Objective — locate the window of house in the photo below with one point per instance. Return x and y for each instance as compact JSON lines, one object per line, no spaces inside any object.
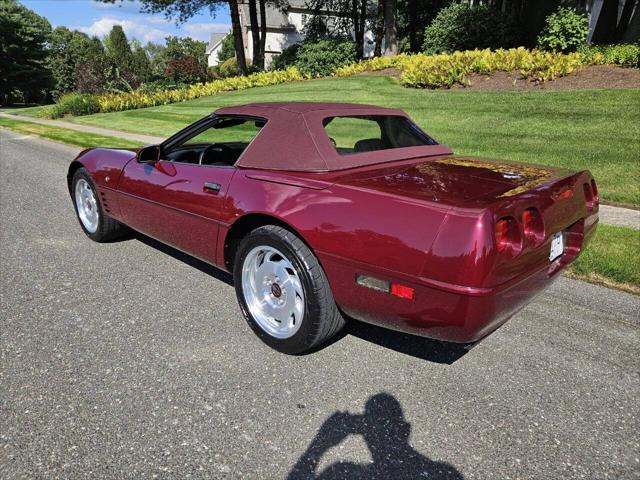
{"x":368,"y":133}
{"x":304,"y":19}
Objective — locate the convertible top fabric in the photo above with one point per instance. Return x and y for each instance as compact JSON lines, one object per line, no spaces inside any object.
{"x":294,"y":138}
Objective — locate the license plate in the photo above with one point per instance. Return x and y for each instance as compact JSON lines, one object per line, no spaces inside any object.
{"x":557,"y":246}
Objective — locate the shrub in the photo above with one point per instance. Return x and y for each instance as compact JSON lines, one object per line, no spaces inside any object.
{"x":444,"y":70}
{"x":128,"y":101}
{"x":73,"y":104}
{"x":322,"y":58}
{"x":461,"y":27}
{"x":565,"y":30}
{"x":371,"y":65}
{"x":627,"y":55}
{"x":229,"y":68}
{"x":287,"y":58}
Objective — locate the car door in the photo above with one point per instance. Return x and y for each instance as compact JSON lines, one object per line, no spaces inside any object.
{"x":179,"y":202}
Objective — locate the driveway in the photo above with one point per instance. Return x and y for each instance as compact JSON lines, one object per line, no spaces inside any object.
{"x":130,"y":360}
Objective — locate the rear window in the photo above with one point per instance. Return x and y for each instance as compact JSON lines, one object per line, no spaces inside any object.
{"x":369,"y":133}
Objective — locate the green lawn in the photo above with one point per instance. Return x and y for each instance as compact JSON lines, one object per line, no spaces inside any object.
{"x":33,"y":111}
{"x":612,"y":257}
{"x":70,"y":137}
{"x":597,"y":130}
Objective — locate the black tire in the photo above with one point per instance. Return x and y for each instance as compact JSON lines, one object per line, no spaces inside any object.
{"x":321,"y":320}
{"x":108,"y":228}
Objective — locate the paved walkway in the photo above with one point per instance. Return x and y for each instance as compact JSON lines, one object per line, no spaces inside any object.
{"x":624,"y":217}
{"x":136,"y":137}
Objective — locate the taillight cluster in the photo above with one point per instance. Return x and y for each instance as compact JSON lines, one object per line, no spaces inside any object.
{"x":591,"y":196}
{"x":533,"y":227}
{"x":510,"y":238}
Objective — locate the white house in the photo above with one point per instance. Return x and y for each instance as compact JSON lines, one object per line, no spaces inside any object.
{"x":215,"y":44}
{"x":284,"y":28}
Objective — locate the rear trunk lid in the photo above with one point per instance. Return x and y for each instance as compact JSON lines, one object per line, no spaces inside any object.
{"x":454,"y":180}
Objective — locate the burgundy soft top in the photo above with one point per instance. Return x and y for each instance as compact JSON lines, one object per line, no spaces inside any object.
{"x":294,"y":138}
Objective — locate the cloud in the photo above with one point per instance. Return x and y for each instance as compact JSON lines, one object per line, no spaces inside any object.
{"x":203,"y":31}
{"x":139,"y":30}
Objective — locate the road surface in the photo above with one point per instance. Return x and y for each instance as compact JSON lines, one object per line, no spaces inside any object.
{"x":130,"y":360}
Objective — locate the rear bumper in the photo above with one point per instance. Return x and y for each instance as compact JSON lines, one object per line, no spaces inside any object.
{"x":446,"y":312}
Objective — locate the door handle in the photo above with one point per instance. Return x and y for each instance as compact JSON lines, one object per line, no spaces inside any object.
{"x":212,"y":187}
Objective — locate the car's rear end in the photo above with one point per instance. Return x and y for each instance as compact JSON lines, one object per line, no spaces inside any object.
{"x":508,"y":230}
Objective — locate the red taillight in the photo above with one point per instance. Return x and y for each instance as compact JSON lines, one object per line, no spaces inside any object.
{"x":588,"y":197}
{"x":594,"y":189}
{"x":508,"y":236}
{"x":533,"y":226}
{"x":402,"y":291}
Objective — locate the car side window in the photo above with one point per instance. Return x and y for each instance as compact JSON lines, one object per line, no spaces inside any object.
{"x":368,"y":133}
{"x":219,"y":144}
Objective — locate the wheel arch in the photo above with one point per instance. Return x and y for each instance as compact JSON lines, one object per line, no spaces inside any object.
{"x":246,"y":224}
{"x":73,"y":168}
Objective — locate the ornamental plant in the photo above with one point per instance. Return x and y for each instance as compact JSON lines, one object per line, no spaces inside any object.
{"x":565,"y":31}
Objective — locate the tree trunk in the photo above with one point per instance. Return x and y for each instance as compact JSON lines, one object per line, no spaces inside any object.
{"x":632,"y":32}
{"x":624,"y":19}
{"x":362,"y":24}
{"x":414,"y":37}
{"x":379,"y":29}
{"x":255,"y":34}
{"x":263,"y":30}
{"x":391,"y":38}
{"x":355,"y":17}
{"x":237,"y":36}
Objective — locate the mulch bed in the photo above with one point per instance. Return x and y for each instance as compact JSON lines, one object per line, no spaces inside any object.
{"x":591,"y":76}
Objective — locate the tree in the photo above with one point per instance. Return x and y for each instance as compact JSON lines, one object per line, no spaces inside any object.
{"x":182,"y":10}
{"x":379,"y":28}
{"x":140,"y":64}
{"x":118,"y":49}
{"x":186,"y":60}
{"x":23,"y":41}
{"x":350,"y":18}
{"x":412,"y":18}
{"x":157,"y":59}
{"x":227,"y":49}
{"x":67,"y":49}
{"x":391,"y":28}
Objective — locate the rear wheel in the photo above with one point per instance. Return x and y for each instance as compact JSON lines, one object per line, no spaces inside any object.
{"x":283,"y":291}
{"x":94,"y":222}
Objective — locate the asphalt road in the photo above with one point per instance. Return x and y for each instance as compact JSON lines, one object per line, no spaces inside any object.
{"x":128,"y":360}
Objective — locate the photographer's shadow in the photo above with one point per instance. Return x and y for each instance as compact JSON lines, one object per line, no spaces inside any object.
{"x":386,"y":433}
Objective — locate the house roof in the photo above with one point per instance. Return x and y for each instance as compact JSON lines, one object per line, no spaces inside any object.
{"x":215,"y":40}
{"x":294,"y":138}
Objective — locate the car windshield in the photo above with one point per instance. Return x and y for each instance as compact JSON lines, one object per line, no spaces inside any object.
{"x":369,"y":133}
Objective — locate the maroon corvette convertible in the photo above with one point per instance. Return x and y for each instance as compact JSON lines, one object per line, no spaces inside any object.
{"x":321,"y":210}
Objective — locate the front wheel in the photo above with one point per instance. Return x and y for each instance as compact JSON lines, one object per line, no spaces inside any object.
{"x":283,"y":291}
{"x":94,"y":222}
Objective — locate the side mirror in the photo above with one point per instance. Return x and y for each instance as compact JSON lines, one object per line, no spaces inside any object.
{"x":150,"y":154}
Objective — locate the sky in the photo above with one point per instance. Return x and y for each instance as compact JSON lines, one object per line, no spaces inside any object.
{"x":97,"y":18}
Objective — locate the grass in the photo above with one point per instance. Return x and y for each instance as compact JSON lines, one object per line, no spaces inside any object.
{"x":33,"y":111}
{"x":597,"y":130}
{"x":70,"y":137}
{"x":611,"y":259}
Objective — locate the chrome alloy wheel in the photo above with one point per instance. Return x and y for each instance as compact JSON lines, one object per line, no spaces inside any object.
{"x":273,"y":292}
{"x":87,"y":206}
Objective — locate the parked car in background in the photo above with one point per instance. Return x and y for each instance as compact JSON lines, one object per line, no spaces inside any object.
{"x":322,"y":211}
